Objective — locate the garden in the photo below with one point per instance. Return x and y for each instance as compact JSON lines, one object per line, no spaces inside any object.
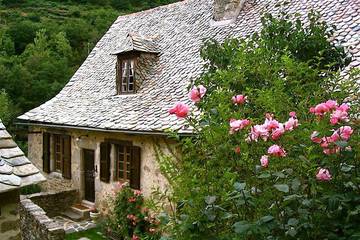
{"x":275,"y":149}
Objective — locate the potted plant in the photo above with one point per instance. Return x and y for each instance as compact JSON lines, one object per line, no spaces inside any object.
{"x":94,"y":214}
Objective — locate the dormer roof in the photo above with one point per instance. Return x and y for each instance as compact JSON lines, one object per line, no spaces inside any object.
{"x":137,"y":43}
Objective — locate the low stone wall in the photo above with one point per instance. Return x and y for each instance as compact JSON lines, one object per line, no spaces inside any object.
{"x":54,"y":203}
{"x":35,"y":225}
{"x":9,"y":217}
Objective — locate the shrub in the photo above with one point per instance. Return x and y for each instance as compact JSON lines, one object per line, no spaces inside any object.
{"x":129,"y":219}
{"x":241,"y":178}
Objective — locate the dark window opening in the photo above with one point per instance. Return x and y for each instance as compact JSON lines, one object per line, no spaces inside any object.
{"x":126,"y":76}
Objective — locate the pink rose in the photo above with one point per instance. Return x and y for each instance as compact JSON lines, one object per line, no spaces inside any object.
{"x":334,"y":137}
{"x":259,"y":131}
{"x":345,"y":132}
{"x":197,"y":93}
{"x":278,"y":132}
{"x":134,"y":237}
{"x":276,"y":151}
{"x":314,"y":137}
{"x":338,"y":115}
{"x":236,"y":125}
{"x":323,"y":175}
{"x":292,"y":114}
{"x":321,"y":109}
{"x":181,"y":110}
{"x":271,"y":124}
{"x":291,"y":124}
{"x":137,"y":192}
{"x":239,"y":99}
{"x":264,"y":161}
{"x":312,"y":110}
{"x":332,"y":104}
{"x":344,"y":107}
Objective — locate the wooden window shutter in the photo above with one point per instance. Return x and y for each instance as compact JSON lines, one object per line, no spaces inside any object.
{"x":46,"y":152}
{"x":66,"y":170}
{"x":135,"y":168}
{"x":105,"y":150}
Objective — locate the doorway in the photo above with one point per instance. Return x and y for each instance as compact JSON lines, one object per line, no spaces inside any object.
{"x":89,"y":172}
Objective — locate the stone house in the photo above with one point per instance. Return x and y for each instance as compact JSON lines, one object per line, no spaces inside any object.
{"x":105,"y":123}
{"x":16,"y":171}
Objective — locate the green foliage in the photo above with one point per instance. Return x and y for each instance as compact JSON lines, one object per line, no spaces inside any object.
{"x":7,"y":109}
{"x":128,"y":217}
{"x":31,"y":189}
{"x":222,"y":194}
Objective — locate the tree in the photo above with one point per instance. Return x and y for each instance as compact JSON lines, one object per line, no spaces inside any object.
{"x":7,"y":109}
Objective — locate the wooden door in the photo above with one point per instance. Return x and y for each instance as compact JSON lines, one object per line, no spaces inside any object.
{"x":89,"y":173}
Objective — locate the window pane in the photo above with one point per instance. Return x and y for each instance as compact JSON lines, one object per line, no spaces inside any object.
{"x":131,"y":87}
{"x":121,"y":174}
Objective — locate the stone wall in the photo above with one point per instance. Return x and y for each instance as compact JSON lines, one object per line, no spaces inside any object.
{"x":150,"y":175}
{"x":144,"y":69}
{"x":9,"y":217}
{"x":35,"y":225}
{"x":54,"y":203}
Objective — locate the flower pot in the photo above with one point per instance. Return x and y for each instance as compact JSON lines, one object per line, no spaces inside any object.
{"x":94,"y":216}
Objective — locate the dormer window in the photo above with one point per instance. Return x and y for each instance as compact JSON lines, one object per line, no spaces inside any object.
{"x":126,"y":75}
{"x":136,"y":57}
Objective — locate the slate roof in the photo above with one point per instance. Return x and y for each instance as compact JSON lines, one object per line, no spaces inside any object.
{"x":90,"y":100}
{"x":15,"y":169}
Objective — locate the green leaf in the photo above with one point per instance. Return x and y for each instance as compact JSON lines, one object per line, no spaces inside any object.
{"x":341,"y":144}
{"x":279,"y":174}
{"x":210,"y":199}
{"x":295,"y":184}
{"x":264,"y":175}
{"x":292,"y":232}
{"x":239,"y":186}
{"x":293,"y":222}
{"x":291,"y":197}
{"x":282,"y":187}
{"x":346,"y":168}
{"x":241,"y":227}
{"x":266,"y":219}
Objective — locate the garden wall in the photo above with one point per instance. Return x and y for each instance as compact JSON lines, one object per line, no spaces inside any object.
{"x":34,"y":223}
{"x":54,"y":203}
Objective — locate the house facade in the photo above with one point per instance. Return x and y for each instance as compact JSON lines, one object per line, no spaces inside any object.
{"x":111,"y":119}
{"x":16,"y":171}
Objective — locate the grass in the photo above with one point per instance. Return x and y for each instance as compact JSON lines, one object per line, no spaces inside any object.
{"x":92,"y":234}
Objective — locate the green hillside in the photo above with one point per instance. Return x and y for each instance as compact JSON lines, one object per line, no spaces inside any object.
{"x":42,"y":43}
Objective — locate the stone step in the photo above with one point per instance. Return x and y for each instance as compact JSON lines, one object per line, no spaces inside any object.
{"x":82,"y":210}
{"x":72,"y":215}
{"x":87,"y":204}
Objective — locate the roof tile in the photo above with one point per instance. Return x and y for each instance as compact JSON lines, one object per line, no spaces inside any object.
{"x":15,"y":169}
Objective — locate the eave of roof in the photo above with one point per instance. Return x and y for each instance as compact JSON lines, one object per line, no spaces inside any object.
{"x":106,"y":130}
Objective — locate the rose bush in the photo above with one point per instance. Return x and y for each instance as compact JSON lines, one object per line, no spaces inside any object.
{"x":128,"y":217}
{"x":261,"y":165}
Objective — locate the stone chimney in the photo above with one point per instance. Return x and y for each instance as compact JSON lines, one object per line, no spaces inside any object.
{"x":225,"y":10}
